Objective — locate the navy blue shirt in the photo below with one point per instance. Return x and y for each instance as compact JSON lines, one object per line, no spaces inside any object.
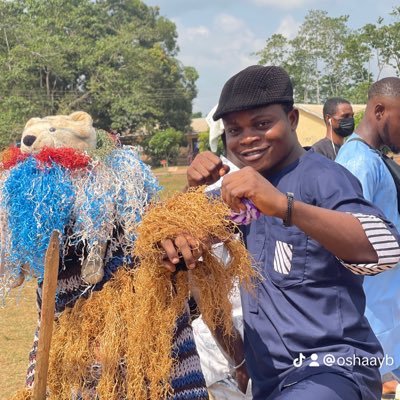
{"x":308,"y":301}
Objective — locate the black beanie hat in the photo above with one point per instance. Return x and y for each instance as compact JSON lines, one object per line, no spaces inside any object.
{"x":255,"y":86}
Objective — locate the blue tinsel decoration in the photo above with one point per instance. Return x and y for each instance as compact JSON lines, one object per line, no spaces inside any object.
{"x":118,"y":161}
{"x":39,"y":200}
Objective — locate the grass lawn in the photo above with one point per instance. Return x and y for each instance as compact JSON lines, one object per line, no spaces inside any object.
{"x":17,"y":326}
{"x":18,"y":317}
{"x":171,"y":180}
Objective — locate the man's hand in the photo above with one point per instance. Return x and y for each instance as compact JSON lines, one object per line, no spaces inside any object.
{"x":183,"y":246}
{"x":205,"y":169}
{"x":248,"y":183}
{"x":242,"y":377}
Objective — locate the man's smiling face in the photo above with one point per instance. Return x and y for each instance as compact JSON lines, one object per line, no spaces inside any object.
{"x":263,"y":138}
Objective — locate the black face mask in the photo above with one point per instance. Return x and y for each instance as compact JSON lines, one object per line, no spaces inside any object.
{"x":346,"y":127}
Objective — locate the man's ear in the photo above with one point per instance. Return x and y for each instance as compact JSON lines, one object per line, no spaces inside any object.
{"x":379,"y":111}
{"x":293,"y":116}
{"x":223,"y":138}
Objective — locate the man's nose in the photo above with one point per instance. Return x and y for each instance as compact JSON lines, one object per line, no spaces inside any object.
{"x":249,"y":138}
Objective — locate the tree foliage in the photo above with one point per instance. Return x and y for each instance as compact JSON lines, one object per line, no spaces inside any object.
{"x":328,"y":59}
{"x":384,"y":41}
{"x":204,"y":143}
{"x":164,"y":145}
{"x":115,"y":59}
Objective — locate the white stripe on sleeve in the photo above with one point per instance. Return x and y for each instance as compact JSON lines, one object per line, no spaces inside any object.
{"x":383,"y":242}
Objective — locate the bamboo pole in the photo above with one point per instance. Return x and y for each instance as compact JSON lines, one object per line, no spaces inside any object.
{"x":47,"y":316}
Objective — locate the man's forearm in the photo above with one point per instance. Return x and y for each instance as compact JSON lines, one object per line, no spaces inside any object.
{"x":231,"y":345}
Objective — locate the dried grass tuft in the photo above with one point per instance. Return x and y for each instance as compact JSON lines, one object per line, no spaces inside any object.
{"x":119,"y":342}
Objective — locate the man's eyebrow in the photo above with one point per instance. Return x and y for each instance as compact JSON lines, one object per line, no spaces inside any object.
{"x":261,"y":116}
{"x":230,"y":122}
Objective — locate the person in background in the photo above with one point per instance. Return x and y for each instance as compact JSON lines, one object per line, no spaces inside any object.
{"x":339,"y":120}
{"x":312,"y":244}
{"x":380,"y":127}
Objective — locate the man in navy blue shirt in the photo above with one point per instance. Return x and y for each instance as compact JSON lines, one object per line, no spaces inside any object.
{"x":306,"y":336}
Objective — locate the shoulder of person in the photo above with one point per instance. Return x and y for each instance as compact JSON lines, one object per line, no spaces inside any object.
{"x":355,"y":152}
{"x":325,"y":179}
{"x":321,"y":166}
{"x":324,"y":147}
{"x":320,"y":143}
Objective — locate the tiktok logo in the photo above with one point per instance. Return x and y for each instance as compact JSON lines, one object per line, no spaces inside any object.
{"x":298,"y":362}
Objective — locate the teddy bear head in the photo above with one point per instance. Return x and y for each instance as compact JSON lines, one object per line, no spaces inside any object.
{"x":75,"y":130}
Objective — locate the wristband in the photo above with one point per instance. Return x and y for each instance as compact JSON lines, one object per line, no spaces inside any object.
{"x":287,"y":221}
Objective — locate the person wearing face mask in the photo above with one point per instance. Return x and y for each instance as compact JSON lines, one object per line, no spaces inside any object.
{"x":339,"y":120}
{"x":380,"y":127}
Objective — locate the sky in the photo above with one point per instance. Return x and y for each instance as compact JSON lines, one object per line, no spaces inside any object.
{"x":219,"y":37}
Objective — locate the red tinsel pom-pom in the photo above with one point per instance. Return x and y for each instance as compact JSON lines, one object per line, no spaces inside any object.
{"x":11,"y":157}
{"x":64,"y":156}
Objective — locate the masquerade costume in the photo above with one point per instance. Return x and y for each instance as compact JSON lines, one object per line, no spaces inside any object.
{"x":90,"y":199}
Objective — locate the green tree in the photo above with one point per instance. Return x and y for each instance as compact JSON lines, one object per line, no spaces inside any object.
{"x":384,"y":41}
{"x":115,"y":59}
{"x":358,"y":117}
{"x":204,"y":143}
{"x":164,"y":145}
{"x":325,"y":59}
{"x":276,"y":51}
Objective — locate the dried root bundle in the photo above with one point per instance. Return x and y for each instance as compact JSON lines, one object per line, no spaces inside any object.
{"x":119,"y":343}
{"x":23,"y":394}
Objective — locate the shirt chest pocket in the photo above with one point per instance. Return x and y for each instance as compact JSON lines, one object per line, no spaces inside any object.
{"x":286,"y":253}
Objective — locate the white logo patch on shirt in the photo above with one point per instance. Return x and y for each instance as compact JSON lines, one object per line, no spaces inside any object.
{"x":283,"y":257}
